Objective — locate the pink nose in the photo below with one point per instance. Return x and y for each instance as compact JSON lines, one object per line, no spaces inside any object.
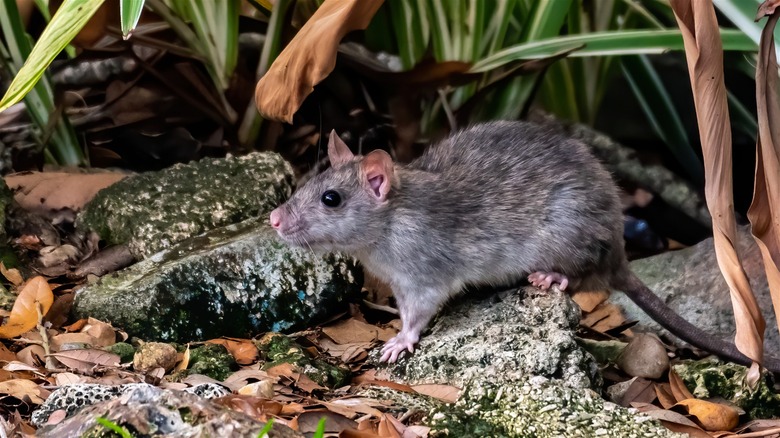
{"x":276,"y":219}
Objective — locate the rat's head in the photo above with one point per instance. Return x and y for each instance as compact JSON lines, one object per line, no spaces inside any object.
{"x":341,"y":209}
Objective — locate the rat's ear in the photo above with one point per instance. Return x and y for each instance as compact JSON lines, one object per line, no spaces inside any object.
{"x":378,"y":173}
{"x":338,"y":152}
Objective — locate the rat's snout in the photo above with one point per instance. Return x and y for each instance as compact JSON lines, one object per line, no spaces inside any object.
{"x":276,"y":218}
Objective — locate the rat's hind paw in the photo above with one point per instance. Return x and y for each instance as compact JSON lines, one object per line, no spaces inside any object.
{"x":545,"y":280}
{"x":396,"y":348}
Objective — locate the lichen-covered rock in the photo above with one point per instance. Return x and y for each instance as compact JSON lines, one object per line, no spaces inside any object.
{"x":537,"y":407}
{"x":238,"y":280}
{"x":154,"y":210}
{"x":505,"y":337}
{"x":153,"y":355}
{"x":146,"y":410}
{"x":712,"y":378}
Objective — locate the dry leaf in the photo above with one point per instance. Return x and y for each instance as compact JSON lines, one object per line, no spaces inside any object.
{"x":766,"y":8}
{"x":32,"y":355}
{"x":664,"y":393}
{"x":334,"y":423}
{"x":87,"y":360}
{"x":72,"y":338}
{"x":677,"y":387}
{"x":13,"y":275}
{"x":243,"y":351}
{"x":20,"y":388}
{"x":711,"y":416}
{"x":390,"y":427}
{"x":588,"y":300}
{"x":6,"y":355}
{"x":347,"y":353}
{"x":255,"y":407}
{"x":103,"y":332}
{"x":704,"y":53}
{"x":63,"y":379}
{"x":352,"y":331}
{"x":764,"y":211}
{"x":307,"y":384}
{"x":24,"y":314}
{"x":605,"y":317}
{"x":263,"y":389}
{"x":310,"y":56}
{"x":445,"y":393}
{"x":184,"y":362}
{"x":243,"y":377}
{"x":48,"y":192}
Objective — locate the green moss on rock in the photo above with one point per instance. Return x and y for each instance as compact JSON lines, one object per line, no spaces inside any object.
{"x":212,"y":360}
{"x":238,"y":280}
{"x":713,"y":378}
{"x":124,"y":350}
{"x":279,"y":349}
{"x":152,"y":211}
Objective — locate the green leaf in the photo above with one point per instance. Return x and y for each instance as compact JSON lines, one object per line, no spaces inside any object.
{"x":66,"y":23}
{"x":320,"y":432}
{"x":130,"y":12}
{"x":117,"y":429}
{"x":657,"y":105}
{"x":623,"y":42}
{"x":267,"y":428}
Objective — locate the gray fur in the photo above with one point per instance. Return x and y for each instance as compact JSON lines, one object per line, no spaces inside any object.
{"x":490,"y":204}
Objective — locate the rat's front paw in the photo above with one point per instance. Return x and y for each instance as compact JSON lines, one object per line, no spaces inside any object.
{"x":397,"y":347}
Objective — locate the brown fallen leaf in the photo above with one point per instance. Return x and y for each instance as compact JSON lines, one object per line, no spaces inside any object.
{"x":704,"y":53}
{"x":350,"y":407}
{"x":24,"y":314}
{"x":87,"y":341}
{"x":664,"y":393}
{"x":711,"y":416}
{"x":352,"y":331}
{"x":258,"y":408}
{"x":764,"y":211}
{"x":310,"y":56}
{"x":639,"y":391}
{"x":445,"y":393}
{"x":389,"y":426}
{"x":13,"y":275}
{"x":20,"y":388}
{"x":6,"y":355}
{"x":32,"y":355}
{"x":334,"y":423}
{"x":245,"y":376}
{"x":604,"y":317}
{"x":243,"y":351}
{"x":103,"y":332}
{"x":51,"y":192}
{"x":307,"y":384}
{"x":678,"y":389}
{"x":588,"y":300}
{"x":87,"y":360}
{"x":347,"y":353}
{"x":673,"y":421}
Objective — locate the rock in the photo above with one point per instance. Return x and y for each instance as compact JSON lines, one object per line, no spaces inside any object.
{"x":537,"y":407}
{"x":712,"y":378}
{"x":690,"y":282}
{"x":645,"y":356}
{"x":148,"y":410}
{"x":154,"y":210}
{"x":212,"y":360}
{"x":521,"y":371}
{"x":237,"y":281}
{"x":506,"y":336}
{"x":125,"y":351}
{"x":153,"y":355}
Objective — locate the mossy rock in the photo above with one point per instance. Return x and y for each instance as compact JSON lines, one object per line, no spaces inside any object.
{"x":154,"y":210}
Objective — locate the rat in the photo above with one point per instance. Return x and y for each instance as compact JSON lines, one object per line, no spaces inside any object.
{"x":491,"y":204}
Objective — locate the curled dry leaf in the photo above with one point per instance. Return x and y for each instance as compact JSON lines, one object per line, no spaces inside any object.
{"x":24,"y":314}
{"x":704,"y":54}
{"x":13,"y":275}
{"x":711,"y":416}
{"x":767,"y":8}
{"x":677,"y":387}
{"x":243,"y":351}
{"x":310,"y":56}
{"x":764,"y":211}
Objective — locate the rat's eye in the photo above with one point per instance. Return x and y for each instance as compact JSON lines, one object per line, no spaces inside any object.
{"x":331,"y":198}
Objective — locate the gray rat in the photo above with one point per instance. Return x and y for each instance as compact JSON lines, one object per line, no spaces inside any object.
{"x":489,"y":205}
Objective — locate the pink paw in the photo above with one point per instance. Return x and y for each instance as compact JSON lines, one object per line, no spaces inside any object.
{"x":545,"y":280}
{"x":396,"y":348}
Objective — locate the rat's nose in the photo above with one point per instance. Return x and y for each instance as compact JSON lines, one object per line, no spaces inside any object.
{"x":276,"y":219}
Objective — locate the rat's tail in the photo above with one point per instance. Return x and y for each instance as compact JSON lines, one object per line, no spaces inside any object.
{"x":668,"y":319}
